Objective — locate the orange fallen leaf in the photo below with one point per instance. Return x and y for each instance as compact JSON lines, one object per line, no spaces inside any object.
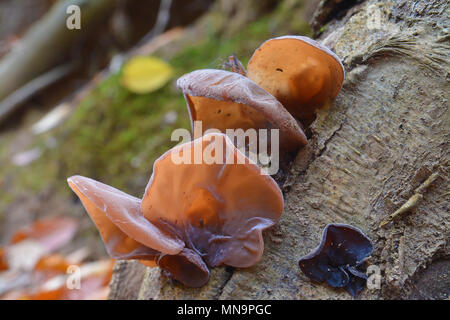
{"x":3,"y":263}
{"x":52,"y":233}
{"x":95,"y":278}
{"x":56,"y":294}
{"x":53,"y":262}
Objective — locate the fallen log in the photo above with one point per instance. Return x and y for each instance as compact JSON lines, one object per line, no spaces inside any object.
{"x":47,"y":42}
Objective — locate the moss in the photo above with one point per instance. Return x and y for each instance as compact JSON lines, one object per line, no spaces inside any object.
{"x":115,"y":134}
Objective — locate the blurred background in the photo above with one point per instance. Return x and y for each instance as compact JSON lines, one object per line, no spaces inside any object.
{"x":100,"y":101}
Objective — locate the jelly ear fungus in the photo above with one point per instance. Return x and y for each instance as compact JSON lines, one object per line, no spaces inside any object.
{"x":192,"y":216}
{"x":228,"y":100}
{"x":340,"y":258}
{"x":301,"y":73}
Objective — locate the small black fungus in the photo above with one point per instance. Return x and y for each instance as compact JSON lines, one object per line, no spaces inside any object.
{"x":339,"y":259}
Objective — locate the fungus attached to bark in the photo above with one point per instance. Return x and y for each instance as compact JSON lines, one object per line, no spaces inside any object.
{"x":228,"y":100}
{"x":192,"y":215}
{"x":220,"y":208}
{"x":118,"y":216}
{"x":300,"y":72}
{"x":188,"y":267}
{"x":339,"y":259}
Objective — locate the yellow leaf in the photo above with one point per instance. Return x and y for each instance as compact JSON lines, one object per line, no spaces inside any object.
{"x":144,"y":74}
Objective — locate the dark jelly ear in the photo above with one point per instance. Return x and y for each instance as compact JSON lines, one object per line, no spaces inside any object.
{"x":339,"y":258}
{"x":346,"y":245}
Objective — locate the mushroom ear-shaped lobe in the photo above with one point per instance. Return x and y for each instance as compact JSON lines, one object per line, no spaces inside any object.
{"x":186,"y":267}
{"x":336,"y":260}
{"x":300,"y":72}
{"x":346,"y":245}
{"x":119,"y":218}
{"x":221,"y":208}
{"x":227,"y":100}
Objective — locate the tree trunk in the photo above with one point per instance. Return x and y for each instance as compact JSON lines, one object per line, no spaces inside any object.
{"x":386,"y":134}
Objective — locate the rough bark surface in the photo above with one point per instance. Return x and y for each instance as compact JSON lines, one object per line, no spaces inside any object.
{"x":386,"y":133}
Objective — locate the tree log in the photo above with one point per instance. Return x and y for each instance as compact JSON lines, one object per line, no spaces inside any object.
{"x":47,"y":42}
{"x":384,"y":136}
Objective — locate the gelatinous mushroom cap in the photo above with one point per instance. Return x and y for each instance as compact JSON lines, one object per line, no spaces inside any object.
{"x":117,"y":215}
{"x":119,"y":219}
{"x":300,"y":72}
{"x":187,"y":267}
{"x":337,"y":259}
{"x":209,"y":209}
{"x":220,"y":208}
{"x":227,"y":100}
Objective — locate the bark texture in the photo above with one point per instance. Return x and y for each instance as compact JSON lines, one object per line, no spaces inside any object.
{"x":386,"y":133}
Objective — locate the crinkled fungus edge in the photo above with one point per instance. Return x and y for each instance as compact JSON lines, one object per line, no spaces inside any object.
{"x":313,"y":43}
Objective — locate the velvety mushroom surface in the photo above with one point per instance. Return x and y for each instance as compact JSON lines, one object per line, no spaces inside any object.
{"x":193,"y":214}
{"x":300,"y":72}
{"x":228,"y":100}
